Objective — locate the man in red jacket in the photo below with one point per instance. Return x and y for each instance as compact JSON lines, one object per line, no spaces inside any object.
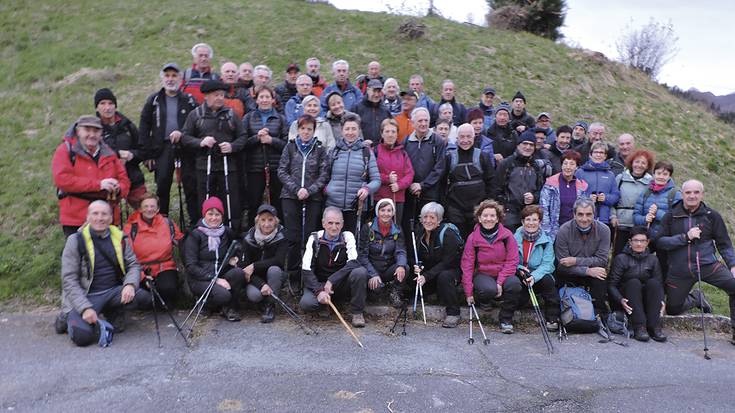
{"x":86,"y":169}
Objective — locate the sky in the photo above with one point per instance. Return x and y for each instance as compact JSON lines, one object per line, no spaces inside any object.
{"x":705,"y":29}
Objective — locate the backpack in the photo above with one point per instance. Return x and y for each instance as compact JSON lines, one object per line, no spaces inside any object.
{"x":454,"y":160}
{"x":134,"y":230}
{"x":617,"y":322}
{"x":577,"y":310}
{"x":452,"y":228}
{"x":229,"y":117}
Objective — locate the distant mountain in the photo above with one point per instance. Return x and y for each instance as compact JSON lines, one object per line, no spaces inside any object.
{"x":726,"y":102}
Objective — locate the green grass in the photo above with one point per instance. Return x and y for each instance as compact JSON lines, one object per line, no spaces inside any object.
{"x":46,"y":44}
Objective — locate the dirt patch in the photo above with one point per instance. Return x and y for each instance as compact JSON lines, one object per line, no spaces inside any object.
{"x":86,"y":72}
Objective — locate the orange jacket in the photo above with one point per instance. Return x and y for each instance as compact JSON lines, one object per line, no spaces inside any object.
{"x":405,"y":126}
{"x":152,"y":243}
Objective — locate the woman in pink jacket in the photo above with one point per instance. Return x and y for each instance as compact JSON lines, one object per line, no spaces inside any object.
{"x":489,"y":263}
{"x":396,"y":171}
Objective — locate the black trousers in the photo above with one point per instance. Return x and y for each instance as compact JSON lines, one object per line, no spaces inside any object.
{"x":645,"y":298}
{"x":597,"y":288}
{"x":256,"y":188}
{"x":545,"y":289}
{"x":486,"y":287}
{"x":445,"y":286}
{"x":220,"y":296}
{"x":354,"y":287}
{"x":167,"y":285}
{"x":678,"y":286}
{"x":463,"y":219}
{"x":292,"y":224}
{"x":217,"y":188}
{"x":412,"y":210}
{"x":164,"y":176}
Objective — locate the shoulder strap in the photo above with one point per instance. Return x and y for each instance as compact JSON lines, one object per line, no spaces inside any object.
{"x":453,"y":160}
{"x":133,"y":231}
{"x":72,"y":154}
{"x":365,"y":161}
{"x":670,"y":197}
{"x":170,"y":228}
{"x":476,"y":158}
{"x":646,"y":194}
{"x":187,"y":75}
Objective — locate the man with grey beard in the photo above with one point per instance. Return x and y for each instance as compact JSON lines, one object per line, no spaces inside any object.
{"x":161,"y":120}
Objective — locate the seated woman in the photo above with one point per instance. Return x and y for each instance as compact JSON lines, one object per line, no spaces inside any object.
{"x":536,"y":264}
{"x":636,"y":284}
{"x":632,"y":182}
{"x":153,"y":238}
{"x":204,"y":250}
{"x":490,"y":261}
{"x":602,"y":188}
{"x":438,"y":244}
{"x":559,"y":193}
{"x":396,"y":171}
{"x":264,"y":255}
{"x":382,"y":251}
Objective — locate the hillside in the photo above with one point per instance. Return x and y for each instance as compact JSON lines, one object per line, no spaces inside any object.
{"x":56,"y":54}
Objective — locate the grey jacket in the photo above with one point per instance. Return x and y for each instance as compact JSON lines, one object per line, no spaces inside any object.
{"x":75,"y":276}
{"x":630,"y":190}
{"x":346,"y":171}
{"x":590,"y":251}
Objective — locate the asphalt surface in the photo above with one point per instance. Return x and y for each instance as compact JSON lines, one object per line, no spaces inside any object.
{"x":248,"y":366}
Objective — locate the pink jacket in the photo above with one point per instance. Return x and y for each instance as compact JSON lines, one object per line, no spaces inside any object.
{"x":498,"y":260}
{"x":395,"y":159}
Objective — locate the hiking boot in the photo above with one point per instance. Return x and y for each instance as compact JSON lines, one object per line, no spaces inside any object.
{"x":506,"y":328}
{"x":323,"y":312}
{"x":450,"y":321}
{"x":269,"y":313}
{"x":119,"y":321}
{"x":394,"y":295}
{"x":703,"y":303}
{"x":657,"y":334}
{"x":640,"y":334}
{"x":230,"y":314}
{"x":552,"y":326}
{"x":60,"y":323}
{"x":602,"y":330}
{"x":358,"y":320}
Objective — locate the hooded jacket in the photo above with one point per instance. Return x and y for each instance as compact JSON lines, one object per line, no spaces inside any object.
{"x":661,"y":199}
{"x":516,"y":176}
{"x":498,"y":260}
{"x":504,"y":138}
{"x":629,"y":265}
{"x":199,"y":260}
{"x":349,"y":173}
{"x":309,"y":170}
{"x":551,"y":203}
{"x":393,"y":159}
{"x":123,"y":135}
{"x":600,"y":179}
{"x":541,"y":258}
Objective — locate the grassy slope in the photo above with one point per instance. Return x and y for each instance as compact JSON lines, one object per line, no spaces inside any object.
{"x":47,"y":43}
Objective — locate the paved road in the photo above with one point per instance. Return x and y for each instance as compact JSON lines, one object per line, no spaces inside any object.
{"x":249,"y":367}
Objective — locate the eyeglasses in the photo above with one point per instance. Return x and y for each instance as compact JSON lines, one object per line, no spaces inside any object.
{"x":599,"y":153}
{"x":638,"y":240}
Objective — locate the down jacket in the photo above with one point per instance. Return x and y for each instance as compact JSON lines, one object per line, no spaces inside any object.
{"x":308,"y":170}
{"x":541,"y":258}
{"x":393,"y":159}
{"x":153,"y":243}
{"x":348,"y":173}
{"x":263,"y":256}
{"x":551,"y":203}
{"x":600,"y":179}
{"x":199,"y":260}
{"x":257,"y":153}
{"x":630,"y":189}
{"x":661,"y":199}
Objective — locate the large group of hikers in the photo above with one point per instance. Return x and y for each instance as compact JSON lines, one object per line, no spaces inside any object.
{"x":365,"y":192}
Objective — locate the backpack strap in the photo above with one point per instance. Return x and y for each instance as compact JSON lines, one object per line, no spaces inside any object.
{"x":133,"y":231}
{"x":72,"y":154}
{"x":453,"y":160}
{"x":171,"y":229}
{"x":476,"y":158}
{"x":671,"y":196}
{"x":365,"y":161}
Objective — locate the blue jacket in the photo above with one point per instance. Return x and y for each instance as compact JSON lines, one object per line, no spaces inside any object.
{"x":541,"y":259}
{"x":661,"y":199}
{"x":600,"y":179}
{"x":376,"y":253}
{"x":346,"y":171}
{"x":425,"y":101}
{"x":630,"y":190}
{"x":351,"y":96}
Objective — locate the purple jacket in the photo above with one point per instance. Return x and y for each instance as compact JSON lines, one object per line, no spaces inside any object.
{"x":498,"y":260}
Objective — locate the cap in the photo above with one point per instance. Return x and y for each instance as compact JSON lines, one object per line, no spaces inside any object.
{"x":527,"y":136}
{"x":213,"y":85}
{"x":89,"y":121}
{"x":172,"y":66}
{"x":503,"y":106}
{"x":293,"y":66}
{"x":542,"y":114}
{"x":409,"y":93}
{"x":375,"y":84}
{"x":488,"y":90}
{"x":267,"y":208}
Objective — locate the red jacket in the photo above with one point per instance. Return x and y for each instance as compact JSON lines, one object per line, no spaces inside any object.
{"x":395,"y":159}
{"x":152,"y":244}
{"x":498,"y":260}
{"x":84,"y":177}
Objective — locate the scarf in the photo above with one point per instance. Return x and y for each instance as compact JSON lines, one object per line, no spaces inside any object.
{"x":384,"y":228}
{"x":304,"y":147}
{"x":584,"y":231}
{"x":214,"y":235}
{"x":490,"y":234}
{"x":262,"y":239}
{"x":530,"y":236}
{"x":656,"y":187}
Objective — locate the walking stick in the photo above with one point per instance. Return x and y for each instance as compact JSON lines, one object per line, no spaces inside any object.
{"x":267,"y":172}
{"x":344,"y":323}
{"x":177,"y":169}
{"x":701,"y":307}
{"x":155,"y":313}
{"x":154,"y":290}
{"x":404,"y":314}
{"x":485,"y":340}
{"x":358,"y":224}
{"x":209,"y":170}
{"x":227,"y":192}
{"x":522,"y":274}
{"x":419,"y":288}
{"x":300,"y":321}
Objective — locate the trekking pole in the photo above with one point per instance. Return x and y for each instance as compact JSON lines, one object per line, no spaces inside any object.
{"x":541,"y":320}
{"x":209,"y":170}
{"x":701,"y":307}
{"x":155,"y":313}
{"x":267,"y":172}
{"x":177,"y":170}
{"x":419,"y":288}
{"x":344,"y":323}
{"x":358,"y":224}
{"x":471,"y":340}
{"x":227,"y":192}
{"x":154,"y":290}
{"x":300,"y":321}
{"x":404,"y":310}
{"x":485,"y":340}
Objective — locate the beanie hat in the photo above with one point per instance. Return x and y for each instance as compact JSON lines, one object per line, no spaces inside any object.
{"x":382,"y":203}
{"x":104,"y":94}
{"x":475,"y":113}
{"x":212,"y":202}
{"x":529,"y":135}
{"x":583,"y":124}
{"x":503,"y":106}
{"x":519,"y":95}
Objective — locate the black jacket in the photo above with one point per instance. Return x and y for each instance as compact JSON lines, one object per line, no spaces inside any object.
{"x":459,"y":111}
{"x":263,"y":256}
{"x":427,"y":159}
{"x":284,"y":91}
{"x":223,"y":126}
{"x":437,"y":256}
{"x":628,"y":265}
{"x":296,"y":171}
{"x":153,"y":120}
{"x":378,"y":253}
{"x":257,"y":153}
{"x":505,"y":139}
{"x":523,"y":119}
{"x":123,"y":135}
{"x":468,"y":184}
{"x":371,"y":115}
{"x":517,"y":175}
{"x":199,"y":260}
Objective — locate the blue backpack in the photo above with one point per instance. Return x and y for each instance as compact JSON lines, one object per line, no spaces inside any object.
{"x":577,"y":310}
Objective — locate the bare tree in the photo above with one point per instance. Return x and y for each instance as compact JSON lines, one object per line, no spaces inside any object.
{"x":648,"y":48}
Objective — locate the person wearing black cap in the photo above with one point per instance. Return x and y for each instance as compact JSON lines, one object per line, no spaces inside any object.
{"x":121,"y":135}
{"x":264,"y":256}
{"x":285,"y":90}
{"x":504,"y":137}
{"x":459,"y":113}
{"x":212,"y":131}
{"x":161,"y":121}
{"x":486,"y":105}
{"x":520,"y":120}
{"x":409,"y":98}
{"x":520,"y":178}
{"x":372,"y":112}
{"x":543,"y":123}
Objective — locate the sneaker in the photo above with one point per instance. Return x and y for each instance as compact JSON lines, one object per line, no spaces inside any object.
{"x":230,"y":314}
{"x":450,"y":321}
{"x":358,"y":320}
{"x":60,"y":323}
{"x":703,"y":303}
{"x":640,"y":334}
{"x":657,"y":335}
{"x":506,"y":328}
{"x":552,"y":326}
{"x":269,"y":313}
{"x":394,"y":295}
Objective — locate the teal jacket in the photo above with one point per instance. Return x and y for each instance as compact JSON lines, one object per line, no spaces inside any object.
{"x":541,"y":259}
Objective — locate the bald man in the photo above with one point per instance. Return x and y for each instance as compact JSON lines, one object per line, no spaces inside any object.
{"x":692,"y":233}
{"x":237,"y":96}
{"x":626,"y":146}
